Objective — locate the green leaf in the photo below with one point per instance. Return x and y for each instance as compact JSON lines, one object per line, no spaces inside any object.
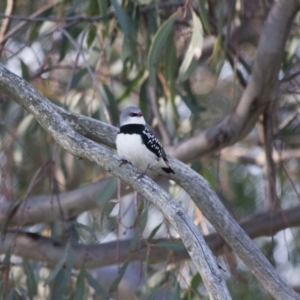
{"x":143,"y":219}
{"x":116,"y":282}
{"x":192,"y":291}
{"x":135,"y":241}
{"x":96,"y":286}
{"x":194,"y":50}
{"x":86,"y":228}
{"x":154,"y":231}
{"x":131,"y":85}
{"x":30,"y":278}
{"x":123,"y":19}
{"x":60,"y":264}
{"x":91,"y":36}
{"x":204,"y":15}
{"x":170,"y":68}
{"x":103,"y":7}
{"x":34,"y":31}
{"x":77,"y":77}
{"x":174,"y":245}
{"x":93,"y":8}
{"x":158,"y":43}
{"x":80,"y":286}
{"x":64,"y":45}
{"x":143,"y":96}
{"x":61,"y":279}
{"x":112,"y":105}
{"x":25,"y":70}
{"x":107,"y":192}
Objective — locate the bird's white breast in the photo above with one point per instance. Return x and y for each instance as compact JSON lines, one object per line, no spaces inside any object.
{"x":131,"y":148}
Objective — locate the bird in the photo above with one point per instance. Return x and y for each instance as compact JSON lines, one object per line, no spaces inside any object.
{"x":136,"y":142}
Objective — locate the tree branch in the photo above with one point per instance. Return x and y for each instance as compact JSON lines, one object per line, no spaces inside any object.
{"x":253,"y":102}
{"x":257,"y":95}
{"x":193,"y":183}
{"x":36,"y":247}
{"x":22,"y":92}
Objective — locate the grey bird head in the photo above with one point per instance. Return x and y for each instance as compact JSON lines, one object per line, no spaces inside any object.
{"x":131,"y":115}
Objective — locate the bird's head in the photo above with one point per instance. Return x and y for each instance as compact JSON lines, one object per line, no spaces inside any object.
{"x":131,"y":115}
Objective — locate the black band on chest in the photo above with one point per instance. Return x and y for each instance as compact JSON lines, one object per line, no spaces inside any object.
{"x":132,"y":128}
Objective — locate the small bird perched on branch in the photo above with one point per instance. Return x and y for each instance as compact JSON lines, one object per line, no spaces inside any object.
{"x":137,"y":143}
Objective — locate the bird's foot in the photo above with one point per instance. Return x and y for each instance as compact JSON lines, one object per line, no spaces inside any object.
{"x":144,"y":173}
{"x":124,"y":161}
{"x":141,"y":175}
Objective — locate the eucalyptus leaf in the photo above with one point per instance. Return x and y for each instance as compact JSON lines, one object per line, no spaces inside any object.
{"x":115,"y":284}
{"x":25,"y":70}
{"x":108,"y":191}
{"x":159,"y":41}
{"x":173,"y":245}
{"x":59,"y":265}
{"x":80,"y":286}
{"x":86,"y":228}
{"x":194,"y":50}
{"x":30,"y":278}
{"x":123,"y":19}
{"x":204,"y":15}
{"x":96,"y":286}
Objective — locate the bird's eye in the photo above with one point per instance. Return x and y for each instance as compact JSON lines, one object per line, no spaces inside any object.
{"x":132,"y":114}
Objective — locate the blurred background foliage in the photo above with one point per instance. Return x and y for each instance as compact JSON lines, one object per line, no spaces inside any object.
{"x":185,"y":64}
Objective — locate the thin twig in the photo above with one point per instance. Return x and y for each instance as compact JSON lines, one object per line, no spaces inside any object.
{"x":10,"y":6}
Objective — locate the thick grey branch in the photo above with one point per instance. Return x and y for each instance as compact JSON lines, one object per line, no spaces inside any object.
{"x":33,"y":246}
{"x":46,"y":209}
{"x":253,"y":102}
{"x":192,"y":182}
{"x":52,"y":121}
{"x":259,"y":91}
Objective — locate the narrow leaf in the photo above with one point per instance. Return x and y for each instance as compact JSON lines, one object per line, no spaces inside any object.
{"x":91,"y":36}
{"x":25,"y":70}
{"x":154,"y":231}
{"x":158,"y":43}
{"x":116,"y":282}
{"x":131,"y":86}
{"x":112,"y":104}
{"x":77,"y":77}
{"x":86,"y":228}
{"x":204,"y":15}
{"x":107,"y":192}
{"x":143,"y":96}
{"x":123,"y":19}
{"x":59,"y":265}
{"x":194,"y":50}
{"x":80,"y":286}
{"x":96,"y":286}
{"x":174,"y":245}
{"x":30,"y":278}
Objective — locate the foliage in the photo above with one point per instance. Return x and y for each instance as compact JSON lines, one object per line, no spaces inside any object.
{"x":97,"y":57}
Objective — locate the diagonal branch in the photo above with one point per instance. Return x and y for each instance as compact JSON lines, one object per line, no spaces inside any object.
{"x":36,"y":247}
{"x":23,"y":93}
{"x":193,"y":183}
{"x":253,"y":102}
{"x":257,"y":95}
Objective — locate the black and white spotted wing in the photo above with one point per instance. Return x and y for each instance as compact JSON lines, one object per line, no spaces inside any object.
{"x":148,"y":138}
{"x":151,"y":142}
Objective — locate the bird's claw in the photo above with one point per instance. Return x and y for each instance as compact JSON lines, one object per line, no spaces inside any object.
{"x":141,"y":175}
{"x":124,"y":161}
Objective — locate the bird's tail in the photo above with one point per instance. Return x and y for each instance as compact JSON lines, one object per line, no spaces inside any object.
{"x":168,"y":170}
